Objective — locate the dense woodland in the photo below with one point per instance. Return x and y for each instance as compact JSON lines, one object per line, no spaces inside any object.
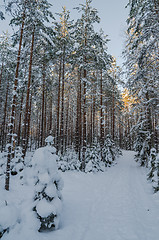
{"x":57,"y":78}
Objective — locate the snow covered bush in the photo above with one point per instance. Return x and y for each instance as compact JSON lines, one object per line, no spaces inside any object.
{"x":69,"y":161}
{"x":152,"y":162}
{"x":142,"y":148}
{"x":3,"y":160}
{"x":93,"y":159}
{"x":97,"y":157}
{"x":48,"y":186}
{"x":9,"y":217}
{"x":156,"y":175}
{"x":110,"y":151}
{"x":17,"y":164}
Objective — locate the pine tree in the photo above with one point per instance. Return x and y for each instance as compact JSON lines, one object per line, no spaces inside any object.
{"x":63,"y":49}
{"x":84,"y":53}
{"x":142,"y":63}
{"x":12,"y":120}
{"x":29,"y":17}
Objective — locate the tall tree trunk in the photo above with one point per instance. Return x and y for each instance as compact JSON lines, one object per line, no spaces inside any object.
{"x":113,"y":115}
{"x":84,"y":143}
{"x":101,"y":116}
{"x":20,"y":120}
{"x":27,"y":97}
{"x":45,"y":116}
{"x":4,"y":118}
{"x":0,"y":88}
{"x":1,"y":75}
{"x":78,"y":116}
{"x":11,"y":136}
{"x":50,"y":117}
{"x":93,"y":113}
{"x":67,"y":118}
{"x":58,"y":109}
{"x":120,"y":132}
{"x":91,"y":121}
{"x":62,"y":103}
{"x":43,"y":109}
{"x":156,"y":131}
{"x":29,"y":119}
{"x":149,"y":121}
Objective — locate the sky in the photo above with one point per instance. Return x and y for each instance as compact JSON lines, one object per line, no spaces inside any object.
{"x":113,"y":16}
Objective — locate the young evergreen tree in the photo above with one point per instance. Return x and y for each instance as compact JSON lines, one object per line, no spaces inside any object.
{"x":48,"y":185}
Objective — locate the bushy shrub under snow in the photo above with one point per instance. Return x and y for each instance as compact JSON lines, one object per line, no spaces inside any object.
{"x":17,"y":163}
{"x":69,"y":161}
{"x":93,"y":159}
{"x":9,"y":217}
{"x":48,"y":186}
{"x":3,"y":160}
{"x":152,"y":164}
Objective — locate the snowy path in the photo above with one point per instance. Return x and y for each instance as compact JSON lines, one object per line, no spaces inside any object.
{"x":115,"y":205}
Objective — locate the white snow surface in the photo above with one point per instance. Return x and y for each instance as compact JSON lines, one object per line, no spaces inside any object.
{"x":118,"y":204}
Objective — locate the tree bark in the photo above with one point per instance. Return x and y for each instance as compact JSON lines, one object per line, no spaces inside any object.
{"x":101,"y":116}
{"x":66,"y":126}
{"x":62,"y":103}
{"x":29,"y":119}
{"x":113,"y":115}
{"x":58,"y":109}
{"x":20,"y":119}
{"x":11,"y":136}
{"x":4,"y":117}
{"x":27,"y":97}
{"x":43,"y":109}
{"x":84,"y":121}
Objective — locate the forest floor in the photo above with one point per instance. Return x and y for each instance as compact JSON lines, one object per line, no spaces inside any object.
{"x":118,"y":204}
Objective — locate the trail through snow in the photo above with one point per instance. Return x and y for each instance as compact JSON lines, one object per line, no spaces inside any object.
{"x":115,"y":205}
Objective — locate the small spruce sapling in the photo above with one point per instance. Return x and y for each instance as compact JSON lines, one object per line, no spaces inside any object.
{"x":48,"y":186}
{"x":17,"y":164}
{"x":69,"y":161}
{"x":156,"y":176}
{"x":152,"y":162}
{"x":93,"y":160}
{"x":109,"y":151}
{"x":142,"y":147}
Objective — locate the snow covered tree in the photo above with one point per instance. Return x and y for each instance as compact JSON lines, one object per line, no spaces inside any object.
{"x":152,"y":164}
{"x":9,"y":217}
{"x":94,"y":162}
{"x":63,"y":49}
{"x":85,"y":56}
{"x":142,"y":63}
{"x":2,"y":16}
{"x":48,"y":186}
{"x":7,"y":62}
{"x":156,"y":175}
{"x":110,"y":151}
{"x":31,"y":16}
{"x":11,"y":134}
{"x":17,"y":164}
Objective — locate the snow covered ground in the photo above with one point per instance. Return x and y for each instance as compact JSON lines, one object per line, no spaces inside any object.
{"x":115,"y":205}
